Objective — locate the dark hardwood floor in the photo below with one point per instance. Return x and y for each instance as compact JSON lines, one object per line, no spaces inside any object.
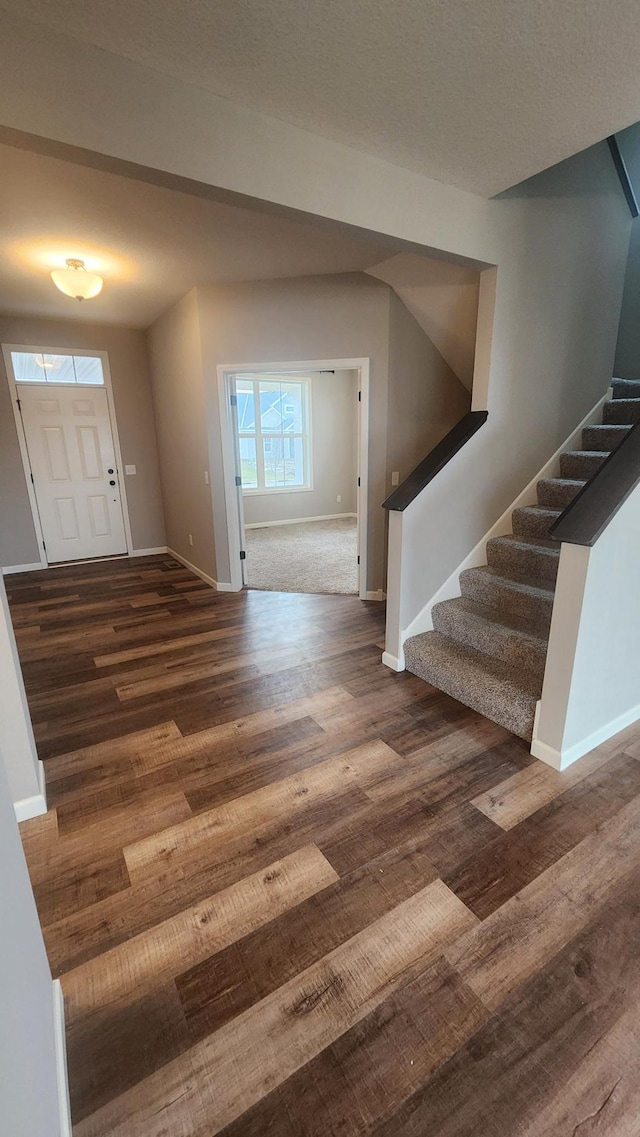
{"x":292,"y":893}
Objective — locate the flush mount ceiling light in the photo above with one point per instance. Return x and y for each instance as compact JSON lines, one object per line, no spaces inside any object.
{"x":75,"y":281}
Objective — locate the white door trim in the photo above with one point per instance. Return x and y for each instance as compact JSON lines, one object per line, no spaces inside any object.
{"x":7,"y":348}
{"x":226,"y":371}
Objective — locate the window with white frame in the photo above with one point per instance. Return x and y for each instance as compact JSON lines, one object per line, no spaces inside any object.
{"x":46,"y":367}
{"x":274,"y":429}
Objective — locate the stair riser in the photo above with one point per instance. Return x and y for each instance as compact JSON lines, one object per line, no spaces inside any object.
{"x":621,"y":411}
{"x":554,"y":495}
{"x":531,"y":611}
{"x":532,"y":524}
{"x":602,"y":437}
{"x":489,"y":638}
{"x":533,"y":563}
{"x":473,"y":697}
{"x":626,"y":388}
{"x":581,"y":466}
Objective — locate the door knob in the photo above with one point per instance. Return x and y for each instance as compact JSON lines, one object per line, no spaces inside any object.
{"x":112,"y":483}
{"x":110,"y":470}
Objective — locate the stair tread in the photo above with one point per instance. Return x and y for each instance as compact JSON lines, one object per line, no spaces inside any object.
{"x":527,"y":543}
{"x":538,"y":511}
{"x":499,"y":620}
{"x":609,"y":434}
{"x":630,"y":388}
{"x":529,"y":585}
{"x":621,"y":412}
{"x":494,"y":667}
{"x":565,"y":481}
{"x":495,"y":689}
{"x":587,"y":453}
{"x":543,"y":512}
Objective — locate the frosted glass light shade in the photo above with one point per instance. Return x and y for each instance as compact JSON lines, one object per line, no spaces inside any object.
{"x":75,"y":281}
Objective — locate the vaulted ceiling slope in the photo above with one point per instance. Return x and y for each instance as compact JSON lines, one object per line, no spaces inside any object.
{"x":152,"y":244}
{"x":479,"y":95}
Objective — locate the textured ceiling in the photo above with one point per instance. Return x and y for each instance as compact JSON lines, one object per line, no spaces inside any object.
{"x":151,"y":244}
{"x":477,"y":93}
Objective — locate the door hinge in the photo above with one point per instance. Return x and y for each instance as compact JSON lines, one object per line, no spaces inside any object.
{"x":359,"y":396}
{"x":233,"y":399}
{"x":358,"y":560}
{"x":238,"y":480}
{"x":243,"y":555}
{"x":19,"y":405}
{"x":32,"y":481}
{"x":44,"y":546}
{"x":359,"y":481}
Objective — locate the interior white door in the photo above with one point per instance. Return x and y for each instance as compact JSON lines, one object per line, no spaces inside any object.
{"x":72,"y":457}
{"x":239,"y":497}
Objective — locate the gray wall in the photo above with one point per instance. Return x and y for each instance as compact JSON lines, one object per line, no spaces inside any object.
{"x":175,"y":355}
{"x":443,"y":297}
{"x":134,"y":411}
{"x":627,"y":360}
{"x":334,"y":425}
{"x":28,"y":1091}
{"x":562,"y":241}
{"x":425,"y":396}
{"x":18,"y":744}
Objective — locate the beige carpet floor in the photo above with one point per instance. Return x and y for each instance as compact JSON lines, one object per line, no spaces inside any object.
{"x":313,"y":556}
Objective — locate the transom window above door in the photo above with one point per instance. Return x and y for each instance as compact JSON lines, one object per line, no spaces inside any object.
{"x":63,"y":367}
{"x":274,"y":431}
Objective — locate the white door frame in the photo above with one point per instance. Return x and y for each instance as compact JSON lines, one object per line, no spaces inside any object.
{"x":7,"y":348}
{"x":226,"y":372}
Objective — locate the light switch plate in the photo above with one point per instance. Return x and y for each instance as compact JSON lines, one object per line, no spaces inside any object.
{"x":129,"y":469}
{"x":395,"y":478}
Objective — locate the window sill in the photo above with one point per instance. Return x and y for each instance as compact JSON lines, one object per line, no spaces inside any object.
{"x":277,"y":490}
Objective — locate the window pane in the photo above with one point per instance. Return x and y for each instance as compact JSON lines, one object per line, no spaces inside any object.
{"x":246,"y":405}
{"x":34,"y":367}
{"x":283,"y":462}
{"x":89,"y":370}
{"x":292,"y":407}
{"x":248,"y":464}
{"x":270,"y":405}
{"x":58,"y":368}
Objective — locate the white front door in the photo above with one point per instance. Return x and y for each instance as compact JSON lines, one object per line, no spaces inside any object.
{"x":72,"y":457}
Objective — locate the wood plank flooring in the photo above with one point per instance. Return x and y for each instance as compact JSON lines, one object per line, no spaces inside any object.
{"x":289,"y":892}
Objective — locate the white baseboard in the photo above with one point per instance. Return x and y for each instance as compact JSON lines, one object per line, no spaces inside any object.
{"x":28,"y":807}
{"x":423,"y":622}
{"x":561,"y":759}
{"x":547,"y":754}
{"x":60,"y":1043}
{"x":148,"y":552}
{"x":194,"y":569}
{"x":378,"y":594}
{"x":225,"y":586}
{"x":23,"y":568}
{"x":299,"y":520}
{"x":392,"y":661}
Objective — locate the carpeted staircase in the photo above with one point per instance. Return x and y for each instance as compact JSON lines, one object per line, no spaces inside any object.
{"x":489,"y":646}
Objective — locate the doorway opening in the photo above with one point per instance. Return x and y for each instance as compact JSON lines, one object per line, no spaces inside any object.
{"x":295,"y":468}
{"x":65,"y":419}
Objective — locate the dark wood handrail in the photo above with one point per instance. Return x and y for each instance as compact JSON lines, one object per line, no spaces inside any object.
{"x":623,"y":174}
{"x":442,"y":453}
{"x":591,"y":510}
